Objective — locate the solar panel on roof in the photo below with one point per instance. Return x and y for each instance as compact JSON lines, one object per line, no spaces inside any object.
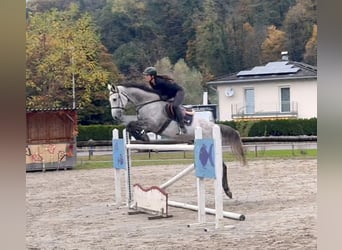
{"x":277,"y":64}
{"x":270,"y":69}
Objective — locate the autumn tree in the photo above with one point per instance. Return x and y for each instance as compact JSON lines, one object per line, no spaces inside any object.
{"x":251,"y":46}
{"x":63,"y":51}
{"x":217,"y":37}
{"x":310,"y":55}
{"x":273,"y":45}
{"x":63,"y":5}
{"x":298,"y":27}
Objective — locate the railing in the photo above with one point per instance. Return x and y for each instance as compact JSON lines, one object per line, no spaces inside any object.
{"x":266,"y":111}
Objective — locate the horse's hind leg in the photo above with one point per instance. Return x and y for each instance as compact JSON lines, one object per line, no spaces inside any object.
{"x":135,"y":128}
{"x":225,"y":181}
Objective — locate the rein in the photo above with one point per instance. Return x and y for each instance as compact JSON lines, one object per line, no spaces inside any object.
{"x":138,"y":107}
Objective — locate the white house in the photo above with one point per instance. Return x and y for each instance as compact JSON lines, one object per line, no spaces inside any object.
{"x":277,"y":90}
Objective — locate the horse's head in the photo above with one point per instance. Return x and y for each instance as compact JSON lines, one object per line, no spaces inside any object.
{"x":117,"y":101}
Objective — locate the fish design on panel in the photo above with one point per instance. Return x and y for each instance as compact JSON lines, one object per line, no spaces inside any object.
{"x":205,"y":155}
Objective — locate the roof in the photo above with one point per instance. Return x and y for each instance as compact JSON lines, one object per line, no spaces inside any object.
{"x":278,"y":70}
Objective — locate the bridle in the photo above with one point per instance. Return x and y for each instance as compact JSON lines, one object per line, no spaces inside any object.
{"x":119,"y":98}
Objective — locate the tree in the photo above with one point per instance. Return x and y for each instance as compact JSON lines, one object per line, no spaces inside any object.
{"x":251,"y":47}
{"x":189,"y":78}
{"x":62,"y":50}
{"x":273,"y":45}
{"x":209,"y":50}
{"x":63,"y":5}
{"x":298,"y":27}
{"x":192,"y":81}
{"x":164,"y":67}
{"x":266,"y":12}
{"x":310,"y":55}
{"x":98,"y":110}
{"x":213,"y":35}
{"x":116,"y":28}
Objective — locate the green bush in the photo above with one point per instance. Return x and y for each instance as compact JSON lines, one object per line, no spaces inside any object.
{"x":290,"y":127}
{"x":97,"y":132}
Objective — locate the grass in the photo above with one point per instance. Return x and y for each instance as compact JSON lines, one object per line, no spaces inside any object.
{"x":172,"y":158}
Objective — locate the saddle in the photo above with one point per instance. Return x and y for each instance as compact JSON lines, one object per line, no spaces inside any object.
{"x":188,"y":113}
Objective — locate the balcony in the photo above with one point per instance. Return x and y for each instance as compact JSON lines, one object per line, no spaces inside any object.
{"x":265,"y":111}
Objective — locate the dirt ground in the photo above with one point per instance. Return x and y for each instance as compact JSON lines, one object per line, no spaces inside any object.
{"x":75,"y":209}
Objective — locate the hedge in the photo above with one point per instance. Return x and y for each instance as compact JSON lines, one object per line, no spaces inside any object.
{"x":97,"y":132}
{"x":290,"y":127}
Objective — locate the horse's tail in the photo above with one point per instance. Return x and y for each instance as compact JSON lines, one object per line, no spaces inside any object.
{"x":232,"y":137}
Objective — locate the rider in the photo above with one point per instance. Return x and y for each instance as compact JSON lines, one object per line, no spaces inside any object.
{"x":166,"y":86}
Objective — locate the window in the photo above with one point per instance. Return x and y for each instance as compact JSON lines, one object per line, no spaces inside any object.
{"x":249,"y":100}
{"x":285,"y":100}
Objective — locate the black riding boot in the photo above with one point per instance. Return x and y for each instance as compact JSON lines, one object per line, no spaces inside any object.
{"x":180,"y":119}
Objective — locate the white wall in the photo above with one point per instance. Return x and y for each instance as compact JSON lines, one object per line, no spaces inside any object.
{"x":305,"y":93}
{"x":267,"y":97}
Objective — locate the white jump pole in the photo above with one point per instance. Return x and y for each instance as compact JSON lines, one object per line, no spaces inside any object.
{"x":178,"y":176}
{"x":200,"y":187}
{"x":212,"y":211}
{"x":129,"y":196}
{"x":218,"y":180}
{"x":170,"y":147}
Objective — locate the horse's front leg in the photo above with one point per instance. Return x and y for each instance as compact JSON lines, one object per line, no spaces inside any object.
{"x":137,"y":129}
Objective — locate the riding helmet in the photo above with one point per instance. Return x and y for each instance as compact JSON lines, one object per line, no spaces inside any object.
{"x":150,"y":71}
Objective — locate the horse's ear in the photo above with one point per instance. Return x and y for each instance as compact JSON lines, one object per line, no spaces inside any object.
{"x":112,"y":88}
{"x":109,"y":87}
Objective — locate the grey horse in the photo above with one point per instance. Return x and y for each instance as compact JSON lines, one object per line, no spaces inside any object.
{"x":154,"y":116}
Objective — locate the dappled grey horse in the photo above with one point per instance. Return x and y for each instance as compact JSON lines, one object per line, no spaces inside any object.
{"x":154,"y":115}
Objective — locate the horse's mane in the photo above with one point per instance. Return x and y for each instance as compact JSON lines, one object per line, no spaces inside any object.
{"x":139,"y":86}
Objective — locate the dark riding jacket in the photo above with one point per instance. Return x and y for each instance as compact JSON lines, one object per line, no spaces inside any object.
{"x":171,"y":89}
{"x":166,"y":88}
